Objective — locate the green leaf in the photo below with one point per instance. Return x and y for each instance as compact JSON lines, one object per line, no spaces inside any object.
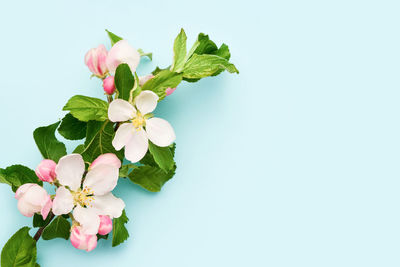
{"x":20,"y":250}
{"x":143,"y":54}
{"x":124,"y":81}
{"x":223,"y":51}
{"x":102,"y":236}
{"x":98,"y":140}
{"x":79,"y":149}
{"x":113,"y":37}
{"x":179,"y":52}
{"x":120,"y":233}
{"x":162,"y":81}
{"x":200,"y":66}
{"x":125,"y":170}
{"x":17,"y":175}
{"x":150,"y":177}
{"x":38,"y":220}
{"x":46,"y":141}
{"x":86,"y":108}
{"x":203,"y":45}
{"x":72,"y":128}
{"x":162,"y":156}
{"x":58,"y":228}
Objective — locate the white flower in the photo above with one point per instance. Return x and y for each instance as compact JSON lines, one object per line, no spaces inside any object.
{"x":90,"y":200}
{"x":139,"y":127}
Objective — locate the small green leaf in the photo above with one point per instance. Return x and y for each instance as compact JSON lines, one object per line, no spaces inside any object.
{"x":46,"y":141}
{"x":203,"y":45}
{"x":79,"y":149}
{"x":113,"y":37}
{"x":38,"y":220}
{"x":86,"y":108}
{"x":143,"y":54}
{"x":120,"y":233}
{"x":98,"y":140}
{"x":162,"y":156}
{"x":150,"y":177}
{"x":17,"y":175}
{"x":125,"y":170}
{"x":102,"y":236}
{"x":223,"y":51}
{"x":179,"y":52}
{"x":58,"y":228}
{"x":72,"y":128}
{"x":200,"y":66}
{"x":20,"y":250}
{"x":124,"y":81}
{"x":162,"y":81}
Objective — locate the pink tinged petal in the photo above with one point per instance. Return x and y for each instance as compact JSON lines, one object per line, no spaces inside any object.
{"x":160,"y":132}
{"x":63,"y":203}
{"x":95,"y":59}
{"x":91,"y":242}
{"x":146,"y":101}
{"x":105,"y":225}
{"x":122,"y":52}
{"x":123,"y":135}
{"x":36,"y":195}
{"x":108,"y":159}
{"x":88,"y":219}
{"x":145,"y":79}
{"x":82,"y":241}
{"x":169,"y":91}
{"x":108,"y":205}
{"x":109,"y":85}
{"x":46,"y":208}
{"x":70,"y":170}
{"x":46,"y":170}
{"x":22,"y":190}
{"x":26,"y":208}
{"x":102,"y":179}
{"x":121,"y":110}
{"x":137,"y":146}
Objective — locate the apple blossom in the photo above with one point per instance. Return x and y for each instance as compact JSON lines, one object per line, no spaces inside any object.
{"x":32,"y":198}
{"x":46,"y":170}
{"x":87,"y":197}
{"x":83,"y":241}
{"x":109,"y":85}
{"x":122,"y":52}
{"x":105,"y":225}
{"x":169,"y":91}
{"x":138,"y":128}
{"x":95,"y":59}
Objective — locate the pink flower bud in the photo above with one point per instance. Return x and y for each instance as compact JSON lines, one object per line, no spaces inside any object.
{"x":108,"y":85}
{"x":122,"y":52}
{"x":105,"y":225}
{"x":81,"y":241}
{"x":46,"y":170}
{"x":108,"y":159}
{"x":169,"y":91}
{"x":95,"y":59}
{"x":33,"y":198}
{"x":144,"y":79}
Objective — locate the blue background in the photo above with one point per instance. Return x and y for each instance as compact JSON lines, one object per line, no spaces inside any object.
{"x":293,"y":162}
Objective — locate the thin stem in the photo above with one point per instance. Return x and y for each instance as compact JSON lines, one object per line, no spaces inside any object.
{"x":40,"y":231}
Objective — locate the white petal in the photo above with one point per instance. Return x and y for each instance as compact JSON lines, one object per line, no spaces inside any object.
{"x":123,"y":135}
{"x":146,"y":101}
{"x":63,"y":203}
{"x":122,"y":52}
{"x":137,"y":147}
{"x":108,"y":205}
{"x":70,"y":170}
{"x":120,"y":110}
{"x":160,"y":132}
{"x":101,"y":179}
{"x":88,"y":219}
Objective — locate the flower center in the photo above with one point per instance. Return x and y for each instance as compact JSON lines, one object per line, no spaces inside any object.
{"x":83,"y":197}
{"x":139,"y":121}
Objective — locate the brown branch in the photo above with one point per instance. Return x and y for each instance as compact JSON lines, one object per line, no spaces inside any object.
{"x":40,"y":231}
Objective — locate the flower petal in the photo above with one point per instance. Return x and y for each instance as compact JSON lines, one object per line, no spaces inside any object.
{"x":46,"y":207}
{"x":108,"y":158}
{"x":123,"y":135}
{"x":88,"y":219}
{"x":160,"y":132}
{"x":137,"y":146}
{"x":101,"y":179}
{"x":146,"y":101}
{"x":108,"y":205}
{"x":27,"y":208}
{"x":63,"y":203}
{"x":122,"y":52}
{"x":70,"y":170}
{"x":120,"y":110}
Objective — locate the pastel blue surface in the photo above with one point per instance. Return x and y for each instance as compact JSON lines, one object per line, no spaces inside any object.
{"x":294,"y":162}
